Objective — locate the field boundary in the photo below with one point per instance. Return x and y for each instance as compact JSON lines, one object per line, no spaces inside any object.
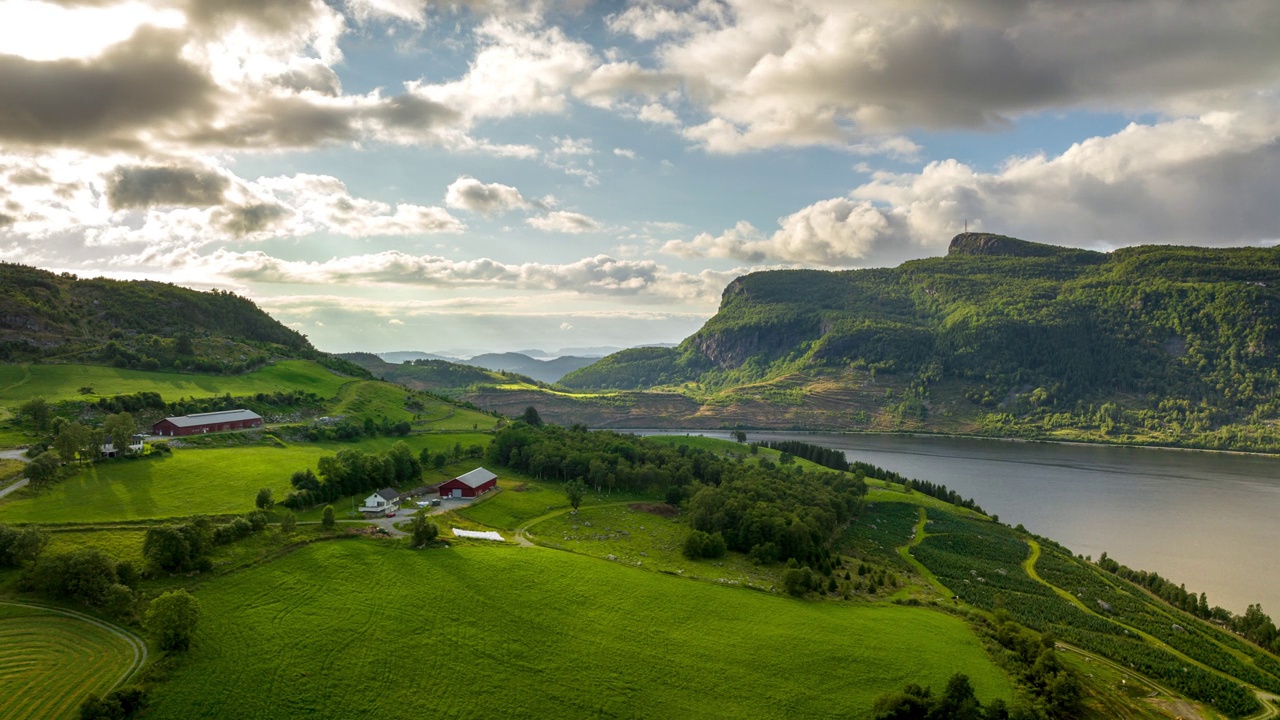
{"x":135,"y":643}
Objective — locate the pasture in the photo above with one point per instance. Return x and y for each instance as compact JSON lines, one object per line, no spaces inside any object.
{"x":49,"y":662}
{"x":505,"y":631}
{"x":210,"y":481}
{"x":19,"y":383}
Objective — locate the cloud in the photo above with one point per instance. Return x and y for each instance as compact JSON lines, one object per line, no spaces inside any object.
{"x":566,"y":326}
{"x":135,"y":187}
{"x":658,"y":115}
{"x":1206,"y":180}
{"x":563,"y":221}
{"x":468,"y":193}
{"x":142,"y":85}
{"x":598,"y":275}
{"x":814,"y":72}
{"x":625,"y":152}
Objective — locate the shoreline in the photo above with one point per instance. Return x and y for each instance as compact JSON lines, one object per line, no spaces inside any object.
{"x":920,"y":434}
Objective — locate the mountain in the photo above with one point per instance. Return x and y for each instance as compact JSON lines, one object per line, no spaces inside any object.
{"x":411,"y":355}
{"x":146,"y":325}
{"x":542,"y":370}
{"x":1171,"y":345}
{"x":435,"y":375}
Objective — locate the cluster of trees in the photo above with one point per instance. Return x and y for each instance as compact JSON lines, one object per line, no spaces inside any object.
{"x":74,"y":442}
{"x":21,"y":547}
{"x":185,"y":547}
{"x":350,"y":430}
{"x":261,"y":403}
{"x":353,"y":472}
{"x":826,"y":457}
{"x":131,"y":402}
{"x":1254,"y":625}
{"x":87,"y":576}
{"x":956,"y":702}
{"x":699,"y":544}
{"x":773,"y":513}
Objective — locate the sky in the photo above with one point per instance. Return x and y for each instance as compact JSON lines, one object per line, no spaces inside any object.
{"x":493,"y":175}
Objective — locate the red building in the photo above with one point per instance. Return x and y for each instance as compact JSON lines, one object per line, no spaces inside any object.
{"x":207,"y":423}
{"x":473,"y":484}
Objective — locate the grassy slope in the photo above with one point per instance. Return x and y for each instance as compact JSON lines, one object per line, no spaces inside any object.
{"x":49,"y":662}
{"x":19,"y":383}
{"x":324,"y":631}
{"x":190,"y":481}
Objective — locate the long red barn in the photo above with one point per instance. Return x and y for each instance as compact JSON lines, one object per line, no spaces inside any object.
{"x":473,"y":484}
{"x":207,"y":423}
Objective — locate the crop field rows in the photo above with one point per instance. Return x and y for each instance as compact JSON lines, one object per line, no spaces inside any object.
{"x":49,"y":662}
{"x":983,"y":564}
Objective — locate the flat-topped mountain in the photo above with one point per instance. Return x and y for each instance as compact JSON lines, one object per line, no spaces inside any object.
{"x":1148,"y":342}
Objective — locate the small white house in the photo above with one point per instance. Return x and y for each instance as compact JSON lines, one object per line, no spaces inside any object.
{"x":382,"y":501}
{"x":109,"y":447}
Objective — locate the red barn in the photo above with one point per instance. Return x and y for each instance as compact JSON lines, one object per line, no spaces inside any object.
{"x":208,"y":422}
{"x":473,"y":484}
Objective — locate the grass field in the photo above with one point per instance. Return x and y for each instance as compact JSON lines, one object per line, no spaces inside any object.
{"x":50,"y":662}
{"x":19,"y":383}
{"x":362,"y":629}
{"x":522,"y":499}
{"x":211,"y":481}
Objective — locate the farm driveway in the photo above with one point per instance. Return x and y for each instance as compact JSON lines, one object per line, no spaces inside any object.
{"x":389,"y":523}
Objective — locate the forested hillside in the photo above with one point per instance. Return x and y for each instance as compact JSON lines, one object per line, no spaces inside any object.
{"x":137,"y":324}
{"x":1153,"y":344}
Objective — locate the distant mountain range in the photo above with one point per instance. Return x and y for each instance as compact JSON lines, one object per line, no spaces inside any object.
{"x":536,"y":364}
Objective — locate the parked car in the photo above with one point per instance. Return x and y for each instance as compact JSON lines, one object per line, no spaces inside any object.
{"x":391,"y":513}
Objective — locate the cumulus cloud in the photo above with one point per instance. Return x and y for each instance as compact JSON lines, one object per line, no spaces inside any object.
{"x":1195,"y":180}
{"x":563,"y":221}
{"x":468,"y":193}
{"x":597,"y":275}
{"x":823,"y":72}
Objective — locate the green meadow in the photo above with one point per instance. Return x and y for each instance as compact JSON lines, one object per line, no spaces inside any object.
{"x":212,"y":481}
{"x":19,"y":383}
{"x":50,"y":662}
{"x":369,"y":629}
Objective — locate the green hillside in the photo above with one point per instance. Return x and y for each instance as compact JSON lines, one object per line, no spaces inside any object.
{"x":136,"y":324}
{"x":1169,"y":345}
{"x":507,"y":632}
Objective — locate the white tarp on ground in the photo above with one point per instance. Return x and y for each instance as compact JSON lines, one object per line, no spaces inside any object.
{"x":477,"y":535}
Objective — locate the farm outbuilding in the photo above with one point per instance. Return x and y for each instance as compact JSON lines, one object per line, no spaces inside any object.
{"x":208,"y":422}
{"x":473,"y":484}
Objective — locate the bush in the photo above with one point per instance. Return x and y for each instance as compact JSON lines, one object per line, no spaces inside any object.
{"x":257,"y":520}
{"x":237,"y":529}
{"x":288,"y":523}
{"x":327,"y":521}
{"x":118,"y":705}
{"x":21,"y":547}
{"x":265,"y":500}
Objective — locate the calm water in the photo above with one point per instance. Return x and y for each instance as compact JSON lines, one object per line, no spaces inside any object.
{"x":1208,"y":520}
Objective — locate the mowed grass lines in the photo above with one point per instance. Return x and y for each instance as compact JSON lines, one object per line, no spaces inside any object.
{"x":50,"y":662}
{"x":212,"y":481}
{"x":19,"y":383}
{"x":370,"y":629}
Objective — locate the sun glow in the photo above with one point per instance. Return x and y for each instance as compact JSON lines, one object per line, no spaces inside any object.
{"x":43,"y":31}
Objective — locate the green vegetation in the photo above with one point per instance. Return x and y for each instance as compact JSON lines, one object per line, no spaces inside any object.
{"x":556,"y":635}
{"x":49,"y":661}
{"x":20,"y":383}
{"x":1161,"y":345}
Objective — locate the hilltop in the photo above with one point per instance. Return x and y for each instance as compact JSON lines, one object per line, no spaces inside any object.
{"x":138,"y":324}
{"x":1153,"y":344}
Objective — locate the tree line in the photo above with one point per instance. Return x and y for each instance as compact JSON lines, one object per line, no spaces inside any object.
{"x":826,"y":457}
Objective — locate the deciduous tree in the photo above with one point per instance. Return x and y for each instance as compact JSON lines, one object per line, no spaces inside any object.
{"x":172,"y":619}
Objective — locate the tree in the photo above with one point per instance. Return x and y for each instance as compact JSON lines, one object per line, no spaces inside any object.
{"x":424,"y":531}
{"x":72,"y":440}
{"x":184,"y":345}
{"x":36,"y":411}
{"x":438,"y":462}
{"x":166,"y":548}
{"x":740,"y":436}
{"x":327,"y":520}
{"x":120,"y":427}
{"x":288,"y":523}
{"x":172,"y":618}
{"x":42,"y":471}
{"x":576,"y":490}
{"x":530,"y":416}
{"x":265,"y":501}
{"x":21,"y":547}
